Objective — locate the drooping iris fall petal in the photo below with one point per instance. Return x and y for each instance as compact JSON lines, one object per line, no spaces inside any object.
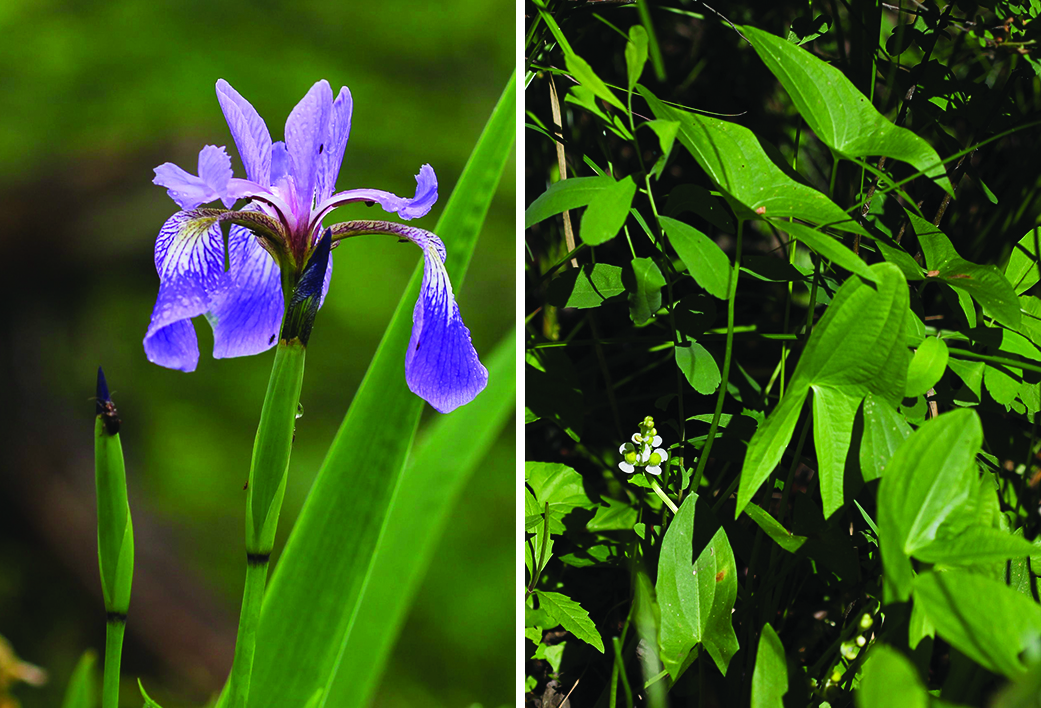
{"x":441,"y":365}
{"x":189,"y":257}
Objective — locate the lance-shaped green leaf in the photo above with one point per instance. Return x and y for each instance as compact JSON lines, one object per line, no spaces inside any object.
{"x":984,"y":619}
{"x":302,"y":632}
{"x":975,"y":545}
{"x":985,"y":283}
{"x":608,"y":203}
{"x":770,"y":677}
{"x":856,"y":349}
{"x":666,"y":131}
{"x":890,"y":679}
{"x":719,"y":637}
{"x":926,"y":368}
{"x":841,"y":116}
{"x":635,"y":54}
{"x":705,"y":260}
{"x":683,"y":597}
{"x":645,"y":293}
{"x":828,"y":246}
{"x":698,"y":366}
{"x":584,"y":74}
{"x":81,"y":691}
{"x":581,"y":96}
{"x":749,"y":179}
{"x":695,"y":599}
{"x":884,"y":430}
{"x":928,"y":480}
{"x":773,"y":528}
{"x":1021,"y":269}
{"x":588,"y":286}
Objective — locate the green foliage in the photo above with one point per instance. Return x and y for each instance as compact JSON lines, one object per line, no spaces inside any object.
{"x":841,"y":116}
{"x":770,"y":678}
{"x":794,"y":261}
{"x":608,"y":203}
{"x":82,"y":689}
{"x":857,"y":349}
{"x":890,"y":680}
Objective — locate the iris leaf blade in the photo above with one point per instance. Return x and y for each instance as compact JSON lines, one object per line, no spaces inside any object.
{"x":442,"y":463}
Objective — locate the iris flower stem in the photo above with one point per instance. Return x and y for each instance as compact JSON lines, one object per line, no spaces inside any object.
{"x":113,"y":653}
{"x":266,"y":487}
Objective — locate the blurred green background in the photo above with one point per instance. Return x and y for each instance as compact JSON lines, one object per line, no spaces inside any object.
{"x":92,"y":97}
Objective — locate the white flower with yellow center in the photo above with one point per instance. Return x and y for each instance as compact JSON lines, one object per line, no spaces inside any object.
{"x":655,"y":459}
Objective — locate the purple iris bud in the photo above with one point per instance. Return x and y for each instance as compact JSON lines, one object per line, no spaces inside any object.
{"x":104,"y":407}
{"x":274,"y":239}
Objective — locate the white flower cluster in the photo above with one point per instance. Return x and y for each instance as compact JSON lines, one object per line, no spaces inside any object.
{"x":643,"y":451}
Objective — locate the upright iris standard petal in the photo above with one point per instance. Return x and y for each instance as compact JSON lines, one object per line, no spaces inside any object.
{"x":247,"y":315}
{"x":307,"y":131}
{"x":331,"y":158}
{"x":189,"y":257}
{"x":441,"y":365}
{"x":188,"y":190}
{"x":249,"y":131}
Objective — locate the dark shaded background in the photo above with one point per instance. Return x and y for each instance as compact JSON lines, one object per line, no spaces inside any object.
{"x":991,"y":88}
{"x":93,"y":96}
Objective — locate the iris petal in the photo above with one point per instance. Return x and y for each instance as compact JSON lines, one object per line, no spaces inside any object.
{"x":279,"y":162}
{"x":246,"y":316}
{"x":426,"y":195}
{"x":189,"y":257}
{"x":249,"y":131}
{"x":417,"y":206}
{"x":174,"y":346}
{"x":188,"y":190}
{"x":441,"y":365}
{"x":331,"y":158}
{"x":307,"y":132}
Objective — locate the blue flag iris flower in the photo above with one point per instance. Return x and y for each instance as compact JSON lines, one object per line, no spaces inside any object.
{"x":273,"y":238}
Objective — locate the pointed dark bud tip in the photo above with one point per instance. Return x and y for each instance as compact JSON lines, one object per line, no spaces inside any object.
{"x":311,"y":281}
{"x":101,"y":394}
{"x":303,"y":305}
{"x":104,"y":406}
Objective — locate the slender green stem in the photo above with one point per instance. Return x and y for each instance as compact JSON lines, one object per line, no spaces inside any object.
{"x":246,"y":639}
{"x":732,"y":296}
{"x":791,"y":470}
{"x":620,"y":665}
{"x":998,"y":360}
{"x":661,"y":494}
{"x":266,"y":487}
{"x":113,"y":652}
